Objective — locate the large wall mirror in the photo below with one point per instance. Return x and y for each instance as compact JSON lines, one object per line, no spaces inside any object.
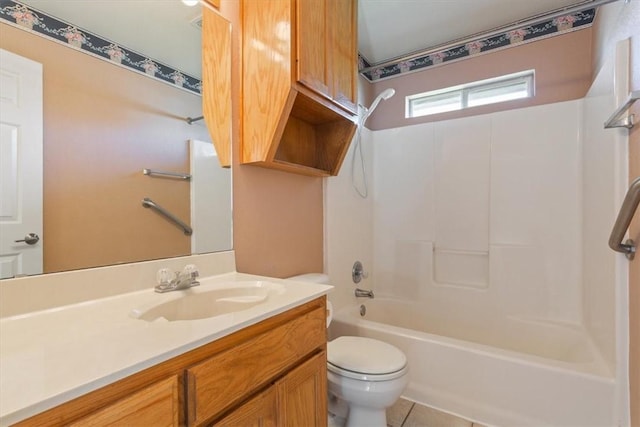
{"x":108,"y":114}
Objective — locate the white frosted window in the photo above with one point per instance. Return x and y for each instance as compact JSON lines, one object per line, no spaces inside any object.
{"x":434,"y":104}
{"x":491,"y":91}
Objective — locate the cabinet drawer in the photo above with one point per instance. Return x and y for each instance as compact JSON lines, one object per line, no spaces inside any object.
{"x":156,"y":405}
{"x":225,"y":379}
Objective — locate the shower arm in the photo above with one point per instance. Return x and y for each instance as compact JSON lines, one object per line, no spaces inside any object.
{"x":628,"y":209}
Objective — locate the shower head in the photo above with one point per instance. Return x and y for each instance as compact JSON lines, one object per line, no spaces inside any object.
{"x":385,"y":94}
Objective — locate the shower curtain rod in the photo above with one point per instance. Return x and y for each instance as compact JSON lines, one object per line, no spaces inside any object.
{"x":578,"y":7}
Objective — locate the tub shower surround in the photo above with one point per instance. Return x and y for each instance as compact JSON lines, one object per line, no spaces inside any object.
{"x":554,"y":27}
{"x":34,"y":21}
{"x":486,"y":232}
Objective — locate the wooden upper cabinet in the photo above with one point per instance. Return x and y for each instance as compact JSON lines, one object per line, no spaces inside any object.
{"x":344,"y":47}
{"x":214,"y":3}
{"x":216,"y":81}
{"x":311,"y":48}
{"x":299,"y":84}
{"x":326,"y":48}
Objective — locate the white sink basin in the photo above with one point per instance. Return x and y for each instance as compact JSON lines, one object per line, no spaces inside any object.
{"x":208,"y":301}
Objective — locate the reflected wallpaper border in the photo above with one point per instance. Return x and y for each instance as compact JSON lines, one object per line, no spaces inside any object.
{"x":34,"y":21}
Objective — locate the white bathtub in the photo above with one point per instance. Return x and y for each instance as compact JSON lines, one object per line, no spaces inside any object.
{"x":502,"y":372}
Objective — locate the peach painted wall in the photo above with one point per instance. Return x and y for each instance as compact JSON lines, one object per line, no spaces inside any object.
{"x":618,"y":21}
{"x":562,"y":65}
{"x":102,"y":126}
{"x":277,"y":216}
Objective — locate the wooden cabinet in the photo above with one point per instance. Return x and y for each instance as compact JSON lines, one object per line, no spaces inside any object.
{"x":326,"y":49}
{"x":299,"y":84}
{"x":157,"y":405}
{"x":216,"y":80}
{"x":260,"y":411}
{"x":297,"y":399}
{"x":302,"y":394}
{"x":344,"y":48}
{"x":224,"y":380}
{"x":269,"y":374}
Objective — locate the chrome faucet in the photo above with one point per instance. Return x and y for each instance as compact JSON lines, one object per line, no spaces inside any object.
{"x":363,"y":293}
{"x":180,"y":280}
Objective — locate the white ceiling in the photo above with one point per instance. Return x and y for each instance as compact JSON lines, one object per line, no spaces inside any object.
{"x":392,"y":28}
{"x":159,"y":29}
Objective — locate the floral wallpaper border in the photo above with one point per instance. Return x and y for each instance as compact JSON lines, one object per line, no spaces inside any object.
{"x":37,"y":22}
{"x":560,"y":25}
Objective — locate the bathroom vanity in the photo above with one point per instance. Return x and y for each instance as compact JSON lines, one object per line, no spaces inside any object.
{"x":99,"y":363}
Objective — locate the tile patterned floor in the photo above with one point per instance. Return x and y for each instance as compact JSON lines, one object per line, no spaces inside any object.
{"x":409,"y":414}
{"x":406,"y":413}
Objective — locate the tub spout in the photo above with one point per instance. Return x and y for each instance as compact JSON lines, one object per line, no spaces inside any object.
{"x":363,"y":293}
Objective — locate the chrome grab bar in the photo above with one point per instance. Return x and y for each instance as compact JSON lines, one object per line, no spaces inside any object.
{"x":153,"y":172}
{"x":629,"y":206}
{"x":616,"y":120}
{"x":148,"y":203}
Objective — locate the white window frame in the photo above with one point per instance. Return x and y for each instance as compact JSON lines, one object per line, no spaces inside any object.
{"x":527,"y":77}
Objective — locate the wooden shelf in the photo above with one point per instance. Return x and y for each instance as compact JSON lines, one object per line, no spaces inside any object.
{"x":315,"y":138}
{"x":298,"y":92}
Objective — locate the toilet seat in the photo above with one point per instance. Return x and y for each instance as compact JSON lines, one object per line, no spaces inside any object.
{"x":361,"y":376}
{"x":365,"y":359}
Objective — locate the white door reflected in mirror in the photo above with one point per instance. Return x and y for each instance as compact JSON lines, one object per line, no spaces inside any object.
{"x":20,"y":165}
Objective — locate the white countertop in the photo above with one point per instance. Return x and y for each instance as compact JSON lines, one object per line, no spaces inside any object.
{"x":52,"y":356}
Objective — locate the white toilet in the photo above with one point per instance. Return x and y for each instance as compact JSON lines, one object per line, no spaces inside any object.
{"x":369,"y":375}
{"x":365,"y":374}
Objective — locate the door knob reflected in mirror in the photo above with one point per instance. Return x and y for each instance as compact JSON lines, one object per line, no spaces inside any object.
{"x":30,"y":239}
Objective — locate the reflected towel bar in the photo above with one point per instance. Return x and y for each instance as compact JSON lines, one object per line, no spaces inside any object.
{"x":148,"y":203}
{"x":615,"y":121}
{"x":152,"y":172}
{"x":629,"y":206}
{"x":190,"y":120}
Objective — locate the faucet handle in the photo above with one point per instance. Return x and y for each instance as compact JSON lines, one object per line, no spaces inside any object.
{"x":191,"y":270}
{"x":358,"y":273}
{"x":164,"y":276}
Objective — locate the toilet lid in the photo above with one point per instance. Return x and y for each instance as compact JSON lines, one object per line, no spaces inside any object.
{"x":365,"y":355}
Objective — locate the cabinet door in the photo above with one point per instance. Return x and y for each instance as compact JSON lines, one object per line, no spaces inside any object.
{"x":302,"y":394}
{"x":157,"y":405}
{"x":216,"y":78}
{"x":311,"y":45}
{"x":226,"y":379}
{"x":261,"y":411}
{"x":344,"y":52}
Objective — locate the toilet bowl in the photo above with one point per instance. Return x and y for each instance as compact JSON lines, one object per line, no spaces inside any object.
{"x":368,"y":375}
{"x":365,"y":375}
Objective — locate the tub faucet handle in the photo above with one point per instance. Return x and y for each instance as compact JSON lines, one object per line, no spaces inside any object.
{"x":364,"y":293}
{"x":358,"y":273}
